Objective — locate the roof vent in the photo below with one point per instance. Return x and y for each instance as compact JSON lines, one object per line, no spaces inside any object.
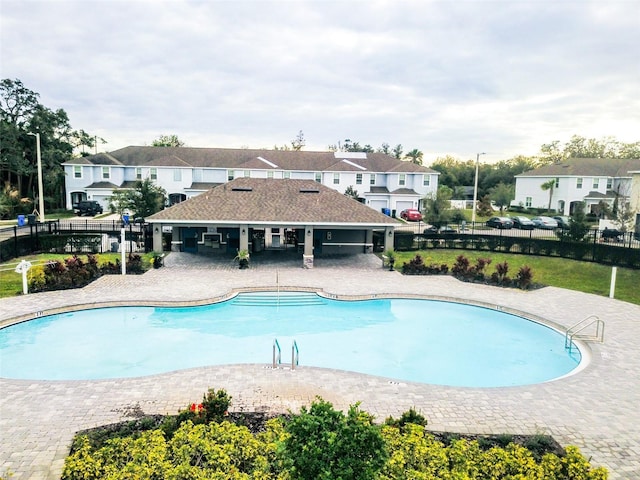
{"x":309,"y":190}
{"x":360,"y":155}
{"x":242,"y":189}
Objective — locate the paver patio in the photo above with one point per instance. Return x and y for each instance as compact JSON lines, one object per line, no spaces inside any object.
{"x":596,"y":409}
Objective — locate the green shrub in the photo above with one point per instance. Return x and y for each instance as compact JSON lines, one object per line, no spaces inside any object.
{"x":324,"y":444}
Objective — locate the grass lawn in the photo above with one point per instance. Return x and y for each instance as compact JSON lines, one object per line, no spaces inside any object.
{"x":571,"y":274}
{"x":558,"y":272}
{"x":11,"y":282}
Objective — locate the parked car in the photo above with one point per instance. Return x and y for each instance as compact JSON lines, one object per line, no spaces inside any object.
{"x":88,"y":207}
{"x":563,"y":221}
{"x":612,"y":234}
{"x":546,"y":223}
{"x":411,"y":215}
{"x":500,"y":222}
{"x":522,"y":223}
{"x":433,"y":230}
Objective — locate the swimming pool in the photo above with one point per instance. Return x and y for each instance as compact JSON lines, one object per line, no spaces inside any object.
{"x":423,"y":341}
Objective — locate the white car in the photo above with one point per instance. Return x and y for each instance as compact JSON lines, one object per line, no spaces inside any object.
{"x":547,"y":223}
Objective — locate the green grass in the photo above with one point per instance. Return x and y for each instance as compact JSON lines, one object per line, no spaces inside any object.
{"x":558,"y":272}
{"x":571,"y":274}
{"x":11,"y":282}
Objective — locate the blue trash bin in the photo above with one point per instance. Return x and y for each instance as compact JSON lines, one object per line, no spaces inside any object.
{"x":386,"y":211}
{"x":21,"y":219}
{"x":125,"y":219}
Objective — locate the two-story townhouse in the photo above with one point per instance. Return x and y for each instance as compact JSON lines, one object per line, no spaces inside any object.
{"x":588,"y":180}
{"x":382,"y":182}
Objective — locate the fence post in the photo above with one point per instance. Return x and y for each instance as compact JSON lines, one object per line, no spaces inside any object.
{"x":612,"y":288}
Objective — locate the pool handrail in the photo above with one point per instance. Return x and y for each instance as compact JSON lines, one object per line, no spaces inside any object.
{"x":295,"y":354}
{"x":277,"y":359}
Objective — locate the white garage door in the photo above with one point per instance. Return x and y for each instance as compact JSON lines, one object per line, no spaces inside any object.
{"x":403,"y":206}
{"x":378,"y":204}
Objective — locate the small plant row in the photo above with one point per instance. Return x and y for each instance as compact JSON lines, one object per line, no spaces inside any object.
{"x":318,"y":443}
{"x":465,"y":271}
{"x":74,"y":272}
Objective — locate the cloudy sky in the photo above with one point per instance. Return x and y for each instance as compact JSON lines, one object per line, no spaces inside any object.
{"x":447,"y":77}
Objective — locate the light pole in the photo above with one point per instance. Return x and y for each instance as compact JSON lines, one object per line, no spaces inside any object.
{"x":40,"y":189}
{"x":475,"y":189}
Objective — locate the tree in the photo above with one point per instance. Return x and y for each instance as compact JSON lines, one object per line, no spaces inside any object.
{"x":385,"y":148}
{"x":82,"y":140}
{"x":397,"y":151}
{"x":351,"y":192}
{"x":21,"y":115}
{"x":299,"y":142}
{"x":415,"y":155}
{"x":549,"y":185}
{"x":502,"y":194}
{"x":484,"y":209}
{"x":145,"y":199}
{"x":437,"y":208}
{"x":578,"y":225}
{"x":167,"y":141}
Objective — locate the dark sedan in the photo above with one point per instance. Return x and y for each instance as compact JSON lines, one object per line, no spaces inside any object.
{"x":500,"y":222}
{"x":522,"y":223}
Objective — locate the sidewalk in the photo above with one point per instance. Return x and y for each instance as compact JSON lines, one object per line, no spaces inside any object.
{"x":597,"y":409}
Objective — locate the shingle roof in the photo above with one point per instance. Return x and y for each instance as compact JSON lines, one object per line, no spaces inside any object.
{"x":251,"y":159}
{"x":203,"y":185}
{"x":108,"y":185}
{"x":255,"y":200}
{"x":586,"y":167}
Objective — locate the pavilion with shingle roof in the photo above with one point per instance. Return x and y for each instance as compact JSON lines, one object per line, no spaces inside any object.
{"x":256,"y":214}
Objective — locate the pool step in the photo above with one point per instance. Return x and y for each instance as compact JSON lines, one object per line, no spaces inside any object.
{"x":282,"y":299}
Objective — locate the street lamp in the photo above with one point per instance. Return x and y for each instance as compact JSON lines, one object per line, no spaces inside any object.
{"x":475,"y":189}
{"x":40,"y":189}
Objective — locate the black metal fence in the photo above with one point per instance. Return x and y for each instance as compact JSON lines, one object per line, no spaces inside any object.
{"x":609,"y":247}
{"x":73,"y":236}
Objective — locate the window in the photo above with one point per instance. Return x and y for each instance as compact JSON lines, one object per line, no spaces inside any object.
{"x":318,"y":177}
{"x":402,"y":179}
{"x":138,"y":173}
{"x":358,"y":179}
{"x":557,"y":183}
{"x":177,"y":175}
{"x":286,"y":174}
{"x":77,"y":171}
{"x":153,"y":173}
{"x":106,"y":173}
{"x":609,"y":183}
{"x":336,"y":178}
{"x":426,"y":180}
{"x":527,"y":202}
{"x":596,"y":183}
{"x":247,"y":173}
{"x":230,"y":175}
{"x":269,"y":173}
{"x":372,"y":179}
{"x":579,"y":183}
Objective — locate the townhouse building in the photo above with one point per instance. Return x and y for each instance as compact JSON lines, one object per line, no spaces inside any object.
{"x":382,"y":182}
{"x":588,"y":180}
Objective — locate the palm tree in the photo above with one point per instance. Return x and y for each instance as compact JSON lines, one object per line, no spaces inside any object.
{"x":415,"y":155}
{"x":550,"y":185}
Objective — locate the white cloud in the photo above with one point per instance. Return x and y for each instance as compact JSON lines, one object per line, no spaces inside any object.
{"x":442,"y":76}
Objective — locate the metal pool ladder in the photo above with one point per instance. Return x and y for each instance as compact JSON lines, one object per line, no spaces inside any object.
{"x":277,"y":354}
{"x":574,"y":331}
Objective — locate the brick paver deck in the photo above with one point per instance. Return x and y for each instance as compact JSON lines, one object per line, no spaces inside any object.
{"x":596,"y":409}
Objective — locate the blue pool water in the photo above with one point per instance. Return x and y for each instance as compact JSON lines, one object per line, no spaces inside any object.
{"x":415,"y":340}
